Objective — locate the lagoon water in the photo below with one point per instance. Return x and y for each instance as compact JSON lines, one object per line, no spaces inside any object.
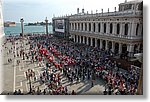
{"x":16,"y":30}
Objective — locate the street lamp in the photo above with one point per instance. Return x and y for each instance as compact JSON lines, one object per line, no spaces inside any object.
{"x":139,"y":57}
{"x":30,"y":74}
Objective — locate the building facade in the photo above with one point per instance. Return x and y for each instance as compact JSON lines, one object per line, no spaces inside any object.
{"x":1,"y":21}
{"x":120,"y":31}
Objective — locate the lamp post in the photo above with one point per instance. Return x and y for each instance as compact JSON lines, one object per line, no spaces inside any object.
{"x":30,"y":74}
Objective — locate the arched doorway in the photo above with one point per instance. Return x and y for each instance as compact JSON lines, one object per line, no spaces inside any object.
{"x":137,"y":28}
{"x":141,"y":48}
{"x":89,"y":41}
{"x":81,"y":39}
{"x":75,"y":26}
{"x":99,"y":27}
{"x":135,"y":48}
{"x":93,"y":41}
{"x":85,"y":26}
{"x":111,"y":28}
{"x":118,"y":28}
{"x":78,"y":39}
{"x":109,"y":45}
{"x":103,"y":44}
{"x":126,"y":29}
{"x":75,"y":38}
{"x":93,"y":27}
{"x":82,"y":26}
{"x":78,"y":26}
{"x":89,"y":26}
{"x":85,"y":40}
{"x":104,"y":27}
{"x":116,"y":48}
{"x":124,"y":53}
{"x":124,"y":48}
{"x":98,"y":43}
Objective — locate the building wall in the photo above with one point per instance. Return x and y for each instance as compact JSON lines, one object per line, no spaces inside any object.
{"x":119,"y":31}
{"x":1,"y":34}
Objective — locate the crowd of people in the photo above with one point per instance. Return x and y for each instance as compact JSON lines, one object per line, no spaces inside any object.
{"x":78,"y":62}
{"x":82,"y":62}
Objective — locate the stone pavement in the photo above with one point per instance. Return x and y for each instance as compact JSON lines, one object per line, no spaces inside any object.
{"x":15,"y":78}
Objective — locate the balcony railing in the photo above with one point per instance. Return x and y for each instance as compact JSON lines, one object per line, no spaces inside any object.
{"x":109,"y":35}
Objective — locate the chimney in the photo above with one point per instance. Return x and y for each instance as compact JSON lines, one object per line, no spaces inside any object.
{"x":77,"y":10}
{"x":83,"y":10}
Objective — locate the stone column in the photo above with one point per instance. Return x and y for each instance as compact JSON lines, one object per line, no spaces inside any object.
{"x":113,"y":46}
{"x":77,"y":27}
{"x":95,"y":42}
{"x":87,"y":40}
{"x":77,"y":39}
{"x":92,"y":27}
{"x":122,"y":29}
{"x":80,"y":27}
{"x":140,"y":29}
{"x":84,"y":26}
{"x":107,"y":28}
{"x":80,"y":39}
{"x":130,"y":48}
{"x":133,"y":29}
{"x":87,"y":27}
{"x":114,"y":28}
{"x":74,"y":38}
{"x":106,"y":45}
{"x":83,"y":39}
{"x":96,"y":27}
{"x":129,"y":29}
{"x":102,"y":28}
{"x":91,"y":41}
{"x":120,"y":48}
{"x":101,"y":44}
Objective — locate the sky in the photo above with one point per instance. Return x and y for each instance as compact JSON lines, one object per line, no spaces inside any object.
{"x":38,"y":10}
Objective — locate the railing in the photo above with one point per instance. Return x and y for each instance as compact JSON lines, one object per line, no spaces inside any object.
{"x":110,"y":35}
{"x":118,"y":13}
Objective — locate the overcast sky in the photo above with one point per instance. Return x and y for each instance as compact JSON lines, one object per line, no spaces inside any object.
{"x":38,"y":10}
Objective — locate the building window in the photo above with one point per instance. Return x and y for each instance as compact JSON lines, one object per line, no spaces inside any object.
{"x":104,"y":27}
{"x":99,"y":27}
{"x":75,"y":26}
{"x":118,"y":28}
{"x":78,"y":26}
{"x":72,"y":26}
{"x":82,"y":26}
{"x":111,"y":28}
{"x":85,"y":26}
{"x":94,"y":27}
{"x":137,"y":27}
{"x":126,"y":29}
{"x":89,"y":26}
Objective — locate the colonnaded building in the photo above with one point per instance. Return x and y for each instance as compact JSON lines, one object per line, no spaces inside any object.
{"x":120,"y":31}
